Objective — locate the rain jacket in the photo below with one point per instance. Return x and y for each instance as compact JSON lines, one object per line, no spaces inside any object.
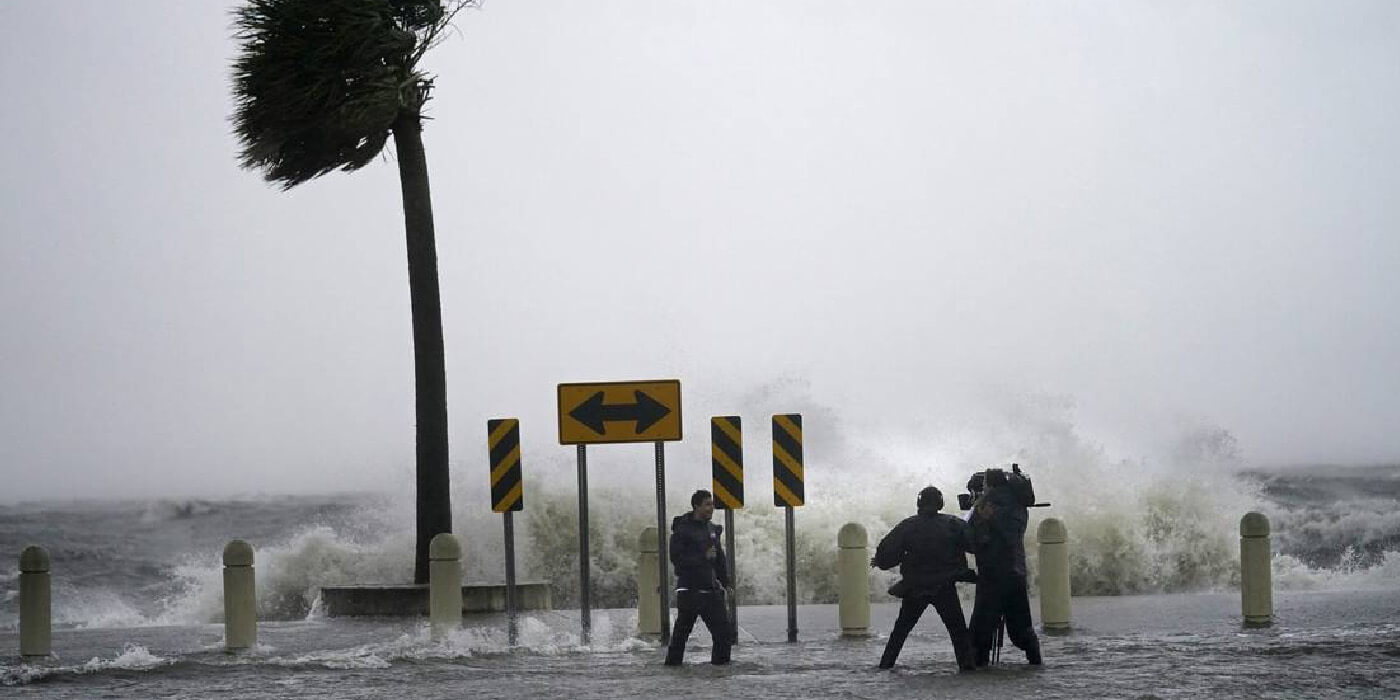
{"x":930,"y":550}
{"x":696,"y":554}
{"x":998,"y":527}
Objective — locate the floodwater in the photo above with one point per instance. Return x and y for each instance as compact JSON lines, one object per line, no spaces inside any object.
{"x":1334,"y":644}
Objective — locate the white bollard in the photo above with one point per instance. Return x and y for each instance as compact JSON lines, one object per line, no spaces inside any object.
{"x":35,"y":603}
{"x":1053,"y":561}
{"x":1256,"y":575}
{"x":853,"y":580}
{"x":240,"y":597}
{"x":648,"y":588}
{"x":444,"y":584}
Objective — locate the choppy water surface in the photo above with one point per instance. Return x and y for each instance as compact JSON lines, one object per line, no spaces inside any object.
{"x":1328,"y":644}
{"x":128,"y":564}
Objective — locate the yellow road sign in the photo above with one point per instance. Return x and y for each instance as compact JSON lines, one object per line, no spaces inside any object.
{"x":727,"y":461}
{"x":599,"y":412}
{"x":503,"y":446}
{"x":789,"y":476}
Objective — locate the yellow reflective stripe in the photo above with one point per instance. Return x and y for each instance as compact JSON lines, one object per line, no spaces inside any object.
{"x":500,"y":431}
{"x":788,"y":461}
{"x":727,"y":463}
{"x":789,"y":427}
{"x":728,"y":429}
{"x":725,"y":497}
{"x":510,"y":498}
{"x":505,"y":465}
{"x":787,"y":496}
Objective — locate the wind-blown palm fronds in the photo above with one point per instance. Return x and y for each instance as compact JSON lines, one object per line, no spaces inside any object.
{"x":319,"y":83}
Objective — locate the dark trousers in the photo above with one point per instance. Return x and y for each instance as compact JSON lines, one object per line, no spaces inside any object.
{"x":945,"y":601}
{"x":1002,"y":596}
{"x":708,"y":606}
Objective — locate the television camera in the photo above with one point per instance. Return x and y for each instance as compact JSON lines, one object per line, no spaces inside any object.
{"x":990,"y":478}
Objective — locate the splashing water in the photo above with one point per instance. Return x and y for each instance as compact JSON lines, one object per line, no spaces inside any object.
{"x":1158,"y":523}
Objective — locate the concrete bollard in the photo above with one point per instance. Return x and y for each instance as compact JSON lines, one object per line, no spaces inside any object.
{"x":35,"y":603}
{"x":240,"y":597}
{"x":1053,"y":561}
{"x":444,"y":584}
{"x":1256,"y":575}
{"x":853,"y":580}
{"x":648,"y":587}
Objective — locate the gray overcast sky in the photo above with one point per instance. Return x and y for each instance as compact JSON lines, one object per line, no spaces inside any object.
{"x":1145,"y":215}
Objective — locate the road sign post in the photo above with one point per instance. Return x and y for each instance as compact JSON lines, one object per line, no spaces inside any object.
{"x":586,"y":625}
{"x":733,"y":577}
{"x":727,"y":482}
{"x":507,"y":496}
{"x":790,"y":541}
{"x":661,"y":545}
{"x":512,"y":601}
{"x":616,"y":412}
{"x":788,"y":493}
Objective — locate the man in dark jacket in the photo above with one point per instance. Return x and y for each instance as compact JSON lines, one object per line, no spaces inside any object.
{"x":702,"y":579}
{"x":931,"y":552}
{"x":998,"y":528}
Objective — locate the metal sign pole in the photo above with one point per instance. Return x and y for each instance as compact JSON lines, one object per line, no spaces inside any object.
{"x":791,"y":578}
{"x":510,"y":575}
{"x":733,"y":575}
{"x":613,"y":412}
{"x":585,"y":632}
{"x":662,"y":559}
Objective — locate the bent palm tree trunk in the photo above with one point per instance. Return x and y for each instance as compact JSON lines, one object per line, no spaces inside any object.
{"x":430,"y":376}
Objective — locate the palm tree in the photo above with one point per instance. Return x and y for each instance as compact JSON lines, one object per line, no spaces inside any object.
{"x":320,"y":85}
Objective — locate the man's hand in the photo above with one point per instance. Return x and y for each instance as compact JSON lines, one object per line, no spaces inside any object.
{"x":872,"y":562}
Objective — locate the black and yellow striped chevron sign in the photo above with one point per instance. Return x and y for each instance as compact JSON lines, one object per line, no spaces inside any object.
{"x":507,"y":487}
{"x":787,"y":460}
{"x":727,"y":459}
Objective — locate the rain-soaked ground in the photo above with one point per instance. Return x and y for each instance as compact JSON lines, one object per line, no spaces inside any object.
{"x":1326,"y":644}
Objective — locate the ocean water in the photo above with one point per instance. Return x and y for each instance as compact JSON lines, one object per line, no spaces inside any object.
{"x":137,"y":598}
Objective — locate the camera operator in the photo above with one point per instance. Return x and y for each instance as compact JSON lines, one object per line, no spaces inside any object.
{"x":998,"y":528}
{"x":931,"y":552}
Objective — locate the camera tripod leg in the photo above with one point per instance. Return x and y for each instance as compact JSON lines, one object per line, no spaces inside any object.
{"x":1001,"y":634}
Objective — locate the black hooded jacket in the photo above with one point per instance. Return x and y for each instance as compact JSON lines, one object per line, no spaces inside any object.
{"x":998,"y":527}
{"x":697,"y":555}
{"x":929,"y":548}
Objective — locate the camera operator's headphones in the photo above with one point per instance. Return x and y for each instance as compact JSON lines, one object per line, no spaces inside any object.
{"x":931,"y":498}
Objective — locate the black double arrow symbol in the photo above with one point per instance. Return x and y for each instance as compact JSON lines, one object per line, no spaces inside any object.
{"x":595,"y":414}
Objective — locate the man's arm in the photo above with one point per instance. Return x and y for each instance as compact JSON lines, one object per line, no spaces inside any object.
{"x":963,"y":535}
{"x":721,"y":559}
{"x":677,"y":543}
{"x":980,"y":527}
{"x":890,"y":552}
